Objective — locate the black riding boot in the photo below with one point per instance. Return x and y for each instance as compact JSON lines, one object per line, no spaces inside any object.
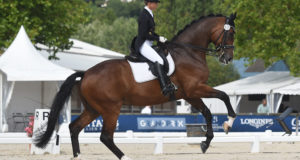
{"x":166,"y":86}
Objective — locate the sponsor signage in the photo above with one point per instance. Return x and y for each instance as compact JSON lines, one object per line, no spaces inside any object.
{"x":153,"y":123}
{"x":177,"y":123}
{"x":293,"y":123}
{"x":97,"y":125}
{"x":257,"y":122}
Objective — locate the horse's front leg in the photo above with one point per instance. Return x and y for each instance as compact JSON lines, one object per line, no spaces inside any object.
{"x":199,"y":105}
{"x":204,"y":91}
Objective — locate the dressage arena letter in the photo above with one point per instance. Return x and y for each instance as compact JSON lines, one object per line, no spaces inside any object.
{"x":41,"y":119}
{"x":45,"y":115}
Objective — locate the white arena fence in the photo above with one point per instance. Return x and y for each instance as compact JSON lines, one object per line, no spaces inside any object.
{"x":161,"y":138}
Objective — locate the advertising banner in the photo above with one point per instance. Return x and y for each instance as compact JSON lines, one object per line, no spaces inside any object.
{"x":177,"y":123}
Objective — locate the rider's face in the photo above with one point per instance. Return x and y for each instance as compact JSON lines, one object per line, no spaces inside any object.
{"x":152,"y":5}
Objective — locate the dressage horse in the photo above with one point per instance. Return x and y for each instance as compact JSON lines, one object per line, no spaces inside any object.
{"x":105,"y":87}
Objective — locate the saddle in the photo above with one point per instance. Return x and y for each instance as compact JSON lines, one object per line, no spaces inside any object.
{"x":144,"y":70}
{"x":136,"y":57}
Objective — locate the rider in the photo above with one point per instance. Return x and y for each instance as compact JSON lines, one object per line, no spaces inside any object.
{"x":145,"y":38}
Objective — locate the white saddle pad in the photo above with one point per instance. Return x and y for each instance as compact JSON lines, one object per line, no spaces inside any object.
{"x":141,"y":72}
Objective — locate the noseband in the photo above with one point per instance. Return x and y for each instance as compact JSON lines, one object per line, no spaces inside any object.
{"x":209,"y":51}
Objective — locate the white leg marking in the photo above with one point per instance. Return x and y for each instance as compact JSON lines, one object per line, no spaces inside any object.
{"x":125,"y":158}
{"x":230,"y":121}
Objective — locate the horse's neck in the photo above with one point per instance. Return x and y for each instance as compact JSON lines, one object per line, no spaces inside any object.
{"x":199,"y":33}
{"x":198,"y":36}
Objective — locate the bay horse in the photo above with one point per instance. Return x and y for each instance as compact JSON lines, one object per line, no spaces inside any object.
{"x":105,"y":87}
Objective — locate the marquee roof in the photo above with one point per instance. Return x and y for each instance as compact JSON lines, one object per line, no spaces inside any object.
{"x":262,"y":83}
{"x":293,"y":89}
{"x":22,"y":62}
{"x":81,"y":56}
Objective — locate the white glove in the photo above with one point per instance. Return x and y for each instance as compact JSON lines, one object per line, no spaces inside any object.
{"x":162,"y":39}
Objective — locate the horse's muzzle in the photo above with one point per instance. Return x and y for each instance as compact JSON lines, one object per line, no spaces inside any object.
{"x":225,"y":58}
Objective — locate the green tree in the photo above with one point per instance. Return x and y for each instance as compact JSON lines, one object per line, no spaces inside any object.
{"x":98,"y":3}
{"x":115,"y":9}
{"x":113,"y":26}
{"x":268,"y":30}
{"x":220,"y":73}
{"x":103,"y":15}
{"x":116,"y":36}
{"x":126,"y":9}
{"x":173,"y":15}
{"x":47,"y":22}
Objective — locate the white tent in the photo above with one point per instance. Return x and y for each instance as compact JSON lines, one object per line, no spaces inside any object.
{"x":293,"y":90}
{"x":28,"y":75}
{"x":81,"y":56}
{"x":260,"y":84}
{"x":22,"y":62}
{"x":263,"y":83}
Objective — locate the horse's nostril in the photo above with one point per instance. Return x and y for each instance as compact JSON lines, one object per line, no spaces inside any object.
{"x":229,"y":59}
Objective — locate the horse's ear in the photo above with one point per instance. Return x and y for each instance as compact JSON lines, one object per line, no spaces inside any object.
{"x":233,"y":16}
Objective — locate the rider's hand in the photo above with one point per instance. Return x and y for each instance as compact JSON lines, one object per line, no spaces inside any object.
{"x":162,"y":39}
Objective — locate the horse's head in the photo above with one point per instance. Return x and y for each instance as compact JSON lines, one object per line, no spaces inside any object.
{"x":212,"y":28}
{"x":223,"y":37}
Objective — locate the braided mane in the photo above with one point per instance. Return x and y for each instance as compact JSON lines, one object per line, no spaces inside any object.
{"x":195,"y":21}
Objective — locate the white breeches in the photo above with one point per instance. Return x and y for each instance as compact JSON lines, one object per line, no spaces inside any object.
{"x":147,"y":51}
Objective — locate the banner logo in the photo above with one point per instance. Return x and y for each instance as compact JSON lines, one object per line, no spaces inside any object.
{"x":293,"y":122}
{"x":97,"y":125}
{"x":257,"y":122}
{"x":161,"y":123}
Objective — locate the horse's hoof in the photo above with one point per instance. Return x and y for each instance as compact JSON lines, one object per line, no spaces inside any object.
{"x":125,"y":158}
{"x":226,"y":127}
{"x":203,"y":146}
{"x":76,"y":158}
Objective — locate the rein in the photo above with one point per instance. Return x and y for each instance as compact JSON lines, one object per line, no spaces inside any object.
{"x":209,"y":51}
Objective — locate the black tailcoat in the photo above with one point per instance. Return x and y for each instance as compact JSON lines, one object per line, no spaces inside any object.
{"x":146,"y":29}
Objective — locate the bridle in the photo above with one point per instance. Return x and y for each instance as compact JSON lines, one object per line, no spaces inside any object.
{"x":209,"y":51}
{"x":221,"y":47}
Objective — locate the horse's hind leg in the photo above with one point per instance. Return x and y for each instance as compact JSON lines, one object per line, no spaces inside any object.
{"x":109,"y":125}
{"x":199,"y":105}
{"x":77,"y":125}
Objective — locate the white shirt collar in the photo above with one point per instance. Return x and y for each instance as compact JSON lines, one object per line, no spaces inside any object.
{"x":149,"y":10}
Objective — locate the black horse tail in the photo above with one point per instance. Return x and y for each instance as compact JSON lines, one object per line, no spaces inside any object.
{"x":43,"y":137}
